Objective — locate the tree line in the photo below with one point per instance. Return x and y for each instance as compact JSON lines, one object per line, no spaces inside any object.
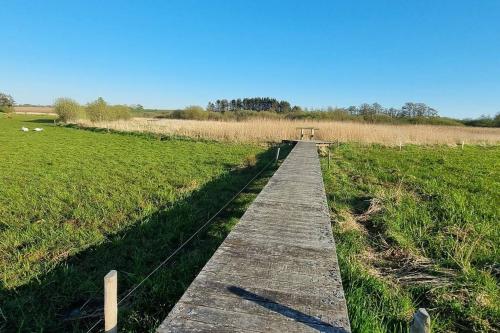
{"x":252,"y":104}
{"x":408,"y":110}
{"x":484,"y":121}
{"x":243,"y":108}
{"x":69,"y":110}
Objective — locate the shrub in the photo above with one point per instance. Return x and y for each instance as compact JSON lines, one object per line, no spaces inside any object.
{"x":67,"y":109}
{"x":6,"y":103}
{"x":96,"y":110}
{"x":191,"y":112}
{"x":118,"y":112}
{"x":215,"y":116}
{"x":99,"y":110}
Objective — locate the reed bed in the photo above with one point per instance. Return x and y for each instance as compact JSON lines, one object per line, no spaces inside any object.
{"x":266,"y":130}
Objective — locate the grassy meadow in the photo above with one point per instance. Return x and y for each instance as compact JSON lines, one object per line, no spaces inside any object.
{"x":417,"y":228}
{"x":75,"y":204}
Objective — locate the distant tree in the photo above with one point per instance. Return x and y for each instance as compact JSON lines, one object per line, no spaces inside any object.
{"x":366,"y":109}
{"x":284,"y":107}
{"x":352,"y":110}
{"x":218,"y":106}
{"x":232,"y":105}
{"x":245,"y":103}
{"x":414,"y":110}
{"x":211,"y":107}
{"x":224,"y":105}
{"x":296,"y":109}
{"x":377,"y":108}
{"x":6,"y":103}
{"x":392,"y":112}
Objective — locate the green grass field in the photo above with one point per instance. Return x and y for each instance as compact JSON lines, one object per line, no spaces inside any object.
{"x":75,"y":204}
{"x":414,"y":228}
{"x":417,"y":228}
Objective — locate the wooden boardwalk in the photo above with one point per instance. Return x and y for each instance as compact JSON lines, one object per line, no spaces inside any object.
{"x":277,"y":270}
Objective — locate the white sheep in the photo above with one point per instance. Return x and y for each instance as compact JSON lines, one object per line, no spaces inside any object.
{"x":24,"y":129}
{"x":38,"y":129}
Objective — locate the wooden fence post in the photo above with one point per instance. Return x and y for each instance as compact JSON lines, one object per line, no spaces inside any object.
{"x":421,"y":322}
{"x":111,"y":302}
{"x":277,"y":155}
{"x":328,"y":158}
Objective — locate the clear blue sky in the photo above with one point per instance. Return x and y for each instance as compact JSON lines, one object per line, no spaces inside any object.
{"x":312,"y":53}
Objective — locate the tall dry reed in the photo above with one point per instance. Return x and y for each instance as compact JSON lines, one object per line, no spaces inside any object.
{"x":265,"y":130}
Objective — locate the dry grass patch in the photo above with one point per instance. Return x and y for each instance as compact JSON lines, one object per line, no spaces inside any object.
{"x":266,"y":130}
{"x":34,"y":110}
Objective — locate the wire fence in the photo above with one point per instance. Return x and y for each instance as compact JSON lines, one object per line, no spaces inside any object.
{"x":187,"y":241}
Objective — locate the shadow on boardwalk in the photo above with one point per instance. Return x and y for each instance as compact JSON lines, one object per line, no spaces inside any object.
{"x":286,"y":311}
{"x":73,"y":289}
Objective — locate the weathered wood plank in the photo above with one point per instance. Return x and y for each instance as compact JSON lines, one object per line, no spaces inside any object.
{"x":277,"y":270}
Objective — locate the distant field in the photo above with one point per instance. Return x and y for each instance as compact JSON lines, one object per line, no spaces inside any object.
{"x":267,"y":130}
{"x":76,"y":203}
{"x":417,"y":228}
{"x":34,"y":109}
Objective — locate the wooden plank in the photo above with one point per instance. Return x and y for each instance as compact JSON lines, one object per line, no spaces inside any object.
{"x":277,"y":270}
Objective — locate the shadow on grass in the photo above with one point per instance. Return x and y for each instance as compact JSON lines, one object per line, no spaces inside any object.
{"x":41,"y":121}
{"x":74,"y":288}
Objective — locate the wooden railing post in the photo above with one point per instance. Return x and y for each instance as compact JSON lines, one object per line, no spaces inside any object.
{"x":111,"y":302}
{"x":421,"y":322}
{"x":277,"y":155}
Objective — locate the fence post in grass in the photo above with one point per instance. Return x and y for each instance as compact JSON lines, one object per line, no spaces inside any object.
{"x":111,"y":302}
{"x":277,"y":155}
{"x":400,"y":145}
{"x":463,"y":143}
{"x":421,"y":322}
